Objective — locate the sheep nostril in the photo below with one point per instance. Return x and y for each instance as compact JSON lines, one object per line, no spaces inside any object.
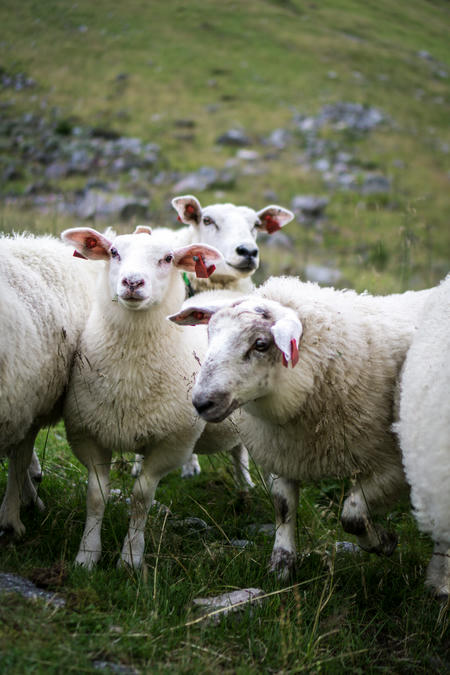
{"x":247,"y":252}
{"x":203,"y":406}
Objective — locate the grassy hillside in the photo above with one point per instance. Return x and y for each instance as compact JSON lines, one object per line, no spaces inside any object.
{"x":77,"y":77}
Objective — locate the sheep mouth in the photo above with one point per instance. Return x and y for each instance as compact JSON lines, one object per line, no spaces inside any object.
{"x":219,"y":411}
{"x":245,"y":267}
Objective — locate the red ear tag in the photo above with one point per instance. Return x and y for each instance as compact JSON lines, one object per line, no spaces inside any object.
{"x":201,"y":271}
{"x":271,"y":224}
{"x":294,"y":352}
{"x":91,"y":242}
{"x":179,"y":219}
{"x":79,"y":255}
{"x":190,"y":210}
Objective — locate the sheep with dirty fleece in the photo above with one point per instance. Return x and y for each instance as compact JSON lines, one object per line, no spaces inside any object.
{"x":44,"y":301}
{"x":130,"y":387}
{"x":424,"y":431}
{"x":233,"y":231}
{"x":330,"y":413}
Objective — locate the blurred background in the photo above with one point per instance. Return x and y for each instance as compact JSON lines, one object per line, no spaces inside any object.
{"x":336,"y":109}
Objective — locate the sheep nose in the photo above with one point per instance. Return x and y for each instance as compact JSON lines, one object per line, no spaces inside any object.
{"x":132,"y":284}
{"x":247,"y":252}
{"x":202,"y":404}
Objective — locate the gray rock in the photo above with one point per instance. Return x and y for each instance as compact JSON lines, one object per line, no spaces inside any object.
{"x":322,"y":164}
{"x":265,"y":528}
{"x":309,"y":205}
{"x":279,"y":138}
{"x":101,"y":204}
{"x":228,"y":602}
{"x":13,"y":583}
{"x":347,"y":547}
{"x":322,"y":275}
{"x":248,"y":155}
{"x":240,"y":543}
{"x":57,"y":170}
{"x":375,"y":184}
{"x":342,"y":115}
{"x":234,"y":137}
{"x":203,"y":179}
{"x":190,"y":523}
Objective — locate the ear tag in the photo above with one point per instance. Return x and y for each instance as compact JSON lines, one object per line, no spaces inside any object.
{"x":271,"y":224}
{"x":201,"y":271}
{"x":179,"y":219}
{"x":90,"y":242}
{"x":294,"y":354}
{"x":76,"y":254}
{"x":190,"y":209}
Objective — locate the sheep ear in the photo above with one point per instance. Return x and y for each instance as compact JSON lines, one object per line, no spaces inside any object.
{"x":88,"y":242}
{"x":188,"y":209}
{"x":143,"y":229}
{"x":274,"y":217}
{"x":287,"y":333}
{"x":198,"y":258}
{"x":193,"y":316}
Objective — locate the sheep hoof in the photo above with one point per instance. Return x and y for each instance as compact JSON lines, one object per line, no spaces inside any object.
{"x":87,"y":559}
{"x":282,"y":562}
{"x":191,"y":468}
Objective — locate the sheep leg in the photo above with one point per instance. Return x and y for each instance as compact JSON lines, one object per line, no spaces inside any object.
{"x":241,"y":462}
{"x":98,"y":462}
{"x":438,"y":572}
{"x":157,"y":462}
{"x":19,"y":487}
{"x":285,"y":498}
{"x":191,"y":467}
{"x":137,"y":465}
{"x":356,"y":516}
{"x":35,"y":470}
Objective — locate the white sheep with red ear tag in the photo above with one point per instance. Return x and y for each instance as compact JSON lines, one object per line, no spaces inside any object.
{"x":129,"y":389}
{"x":329,"y":413}
{"x":233,"y":230}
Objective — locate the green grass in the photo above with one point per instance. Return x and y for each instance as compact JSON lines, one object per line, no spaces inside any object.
{"x":339,"y":613}
{"x":258,"y":62}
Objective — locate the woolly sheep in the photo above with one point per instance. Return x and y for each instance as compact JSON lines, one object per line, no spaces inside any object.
{"x":233,"y":231}
{"x":129,"y":389}
{"x":424,"y":431}
{"x":44,"y":299}
{"x":328,"y":416}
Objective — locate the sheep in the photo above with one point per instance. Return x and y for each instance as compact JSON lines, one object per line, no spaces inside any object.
{"x":44,"y":300}
{"x":129,"y":388}
{"x":233,"y":231}
{"x":329,"y":416}
{"x":424,"y":431}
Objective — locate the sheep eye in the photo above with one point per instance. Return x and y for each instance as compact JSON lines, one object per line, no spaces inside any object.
{"x":168,"y":258}
{"x":261,"y":345}
{"x":208,"y":221}
{"x":114,"y":253}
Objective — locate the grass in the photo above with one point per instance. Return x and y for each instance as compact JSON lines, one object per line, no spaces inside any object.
{"x":339,"y":612}
{"x":138,"y":68}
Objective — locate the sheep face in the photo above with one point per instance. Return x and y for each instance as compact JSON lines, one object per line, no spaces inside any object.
{"x":243,"y":361}
{"x":140,"y":266}
{"x":232,"y":230}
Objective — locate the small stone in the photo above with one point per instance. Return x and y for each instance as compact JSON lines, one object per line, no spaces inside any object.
{"x":240,"y":543}
{"x":309,"y":205}
{"x":265,"y":528}
{"x":190,"y":523}
{"x":347,"y":547}
{"x":234,"y":601}
{"x":248,"y":155}
{"x":13,"y":583}
{"x":234,"y":137}
{"x":322,"y":275}
{"x":375,"y":184}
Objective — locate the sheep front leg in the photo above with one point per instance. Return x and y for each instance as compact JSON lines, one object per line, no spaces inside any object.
{"x":19,"y":488}
{"x":285,"y":498}
{"x":241,"y":464}
{"x":191,"y":467}
{"x":364,"y":501}
{"x":157,"y":462}
{"x":438,"y":572}
{"x":98,"y":462}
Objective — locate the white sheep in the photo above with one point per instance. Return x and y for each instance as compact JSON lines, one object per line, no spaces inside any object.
{"x":44,"y":300}
{"x":233,"y":231}
{"x":130,"y":387}
{"x":331,"y":415}
{"x":424,"y":431}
